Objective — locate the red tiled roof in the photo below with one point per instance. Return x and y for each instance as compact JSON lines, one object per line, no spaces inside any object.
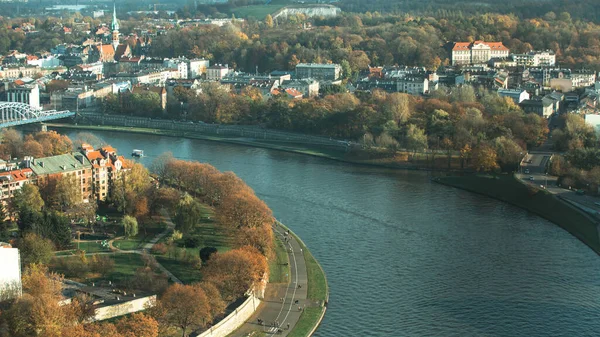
{"x":469,"y":45}
{"x":93,"y":155}
{"x":108,"y":148}
{"x":18,"y":175}
{"x":19,"y":82}
{"x":293,"y":92}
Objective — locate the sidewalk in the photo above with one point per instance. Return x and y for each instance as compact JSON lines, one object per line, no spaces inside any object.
{"x":273,"y":310}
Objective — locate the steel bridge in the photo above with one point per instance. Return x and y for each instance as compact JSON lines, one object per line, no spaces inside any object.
{"x":14,"y":113}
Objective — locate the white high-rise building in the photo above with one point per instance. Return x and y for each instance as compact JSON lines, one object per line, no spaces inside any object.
{"x":10,"y":275}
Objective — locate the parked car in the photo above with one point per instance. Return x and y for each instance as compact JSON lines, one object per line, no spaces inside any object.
{"x":526,"y":171}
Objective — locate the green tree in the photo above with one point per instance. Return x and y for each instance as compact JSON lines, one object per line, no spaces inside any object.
{"x":346,"y":69}
{"x":187,"y":214}
{"x":35,"y":249}
{"x":130,"y":226}
{"x":28,"y":196}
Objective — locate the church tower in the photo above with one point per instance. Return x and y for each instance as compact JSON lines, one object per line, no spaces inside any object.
{"x":115,"y":27}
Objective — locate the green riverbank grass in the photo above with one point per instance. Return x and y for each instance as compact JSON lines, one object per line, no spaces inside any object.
{"x":508,"y":189}
{"x":317,"y":282}
{"x":308,"y":320}
{"x":279,"y":266}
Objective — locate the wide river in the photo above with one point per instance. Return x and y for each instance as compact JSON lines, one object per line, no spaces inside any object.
{"x":407,"y":257}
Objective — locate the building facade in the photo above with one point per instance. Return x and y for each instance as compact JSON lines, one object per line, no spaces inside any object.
{"x":319,"y":71}
{"x":477,"y":52}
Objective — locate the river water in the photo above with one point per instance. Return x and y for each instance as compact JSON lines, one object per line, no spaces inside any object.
{"x":407,"y":257}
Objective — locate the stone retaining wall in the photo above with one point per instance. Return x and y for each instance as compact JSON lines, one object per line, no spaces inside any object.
{"x":234,"y":320}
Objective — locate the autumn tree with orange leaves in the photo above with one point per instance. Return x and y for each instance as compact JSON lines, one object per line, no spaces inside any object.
{"x":236,"y":271}
{"x":184,"y":307}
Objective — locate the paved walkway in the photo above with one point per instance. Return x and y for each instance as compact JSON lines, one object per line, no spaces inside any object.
{"x":275,"y":310}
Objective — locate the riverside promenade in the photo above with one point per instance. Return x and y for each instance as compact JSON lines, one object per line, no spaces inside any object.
{"x":283,"y":303}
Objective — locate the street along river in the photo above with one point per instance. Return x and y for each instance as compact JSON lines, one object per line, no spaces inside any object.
{"x":407,"y":257}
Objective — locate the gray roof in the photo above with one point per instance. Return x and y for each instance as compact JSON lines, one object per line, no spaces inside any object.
{"x":60,"y":163}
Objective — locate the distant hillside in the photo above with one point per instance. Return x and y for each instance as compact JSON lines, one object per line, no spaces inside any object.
{"x":579,"y":9}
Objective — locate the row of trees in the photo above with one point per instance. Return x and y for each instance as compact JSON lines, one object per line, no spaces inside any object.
{"x":227,"y":277}
{"x":40,"y":144}
{"x":237,"y":207}
{"x":449,"y":120}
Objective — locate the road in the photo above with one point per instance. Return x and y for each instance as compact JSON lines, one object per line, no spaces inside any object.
{"x":533,"y":171}
{"x":283,"y":302}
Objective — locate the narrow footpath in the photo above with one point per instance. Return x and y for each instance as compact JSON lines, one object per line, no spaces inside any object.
{"x":145,"y":249}
{"x":283,"y":303}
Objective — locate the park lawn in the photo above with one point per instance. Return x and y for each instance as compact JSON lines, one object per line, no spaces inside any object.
{"x":144,"y":235}
{"x":308,"y":320}
{"x":279,"y":266}
{"x":508,"y":189}
{"x":183,"y":271}
{"x":125,"y":267}
{"x":91,"y":247}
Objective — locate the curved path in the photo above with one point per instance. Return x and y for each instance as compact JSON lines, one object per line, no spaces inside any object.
{"x":279,"y":304}
{"x":145,"y":249}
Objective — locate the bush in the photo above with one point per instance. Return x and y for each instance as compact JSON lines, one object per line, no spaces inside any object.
{"x":206,"y":252}
{"x":101,"y":264}
{"x":159,"y":248}
{"x":192,"y":242}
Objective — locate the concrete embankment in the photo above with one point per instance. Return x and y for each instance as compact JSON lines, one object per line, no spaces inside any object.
{"x":546,"y":205}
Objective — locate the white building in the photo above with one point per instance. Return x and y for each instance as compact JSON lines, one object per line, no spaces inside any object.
{"x":517,"y":95}
{"x":417,"y":85}
{"x":546,"y":58}
{"x":477,"y":52}
{"x":197,"y":67}
{"x":10,"y":275}
{"x":45,"y":62}
{"x":594,"y":121}
{"x":217,"y":72}
{"x":181,"y":64}
{"x":308,"y":87}
{"x":18,"y":91}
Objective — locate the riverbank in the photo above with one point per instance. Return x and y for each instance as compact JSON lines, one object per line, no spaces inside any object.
{"x":398,"y":162}
{"x":540,"y":202}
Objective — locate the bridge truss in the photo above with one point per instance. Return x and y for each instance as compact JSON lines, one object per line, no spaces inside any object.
{"x":15,"y":113}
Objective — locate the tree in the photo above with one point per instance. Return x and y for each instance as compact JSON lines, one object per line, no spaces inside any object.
{"x":236,"y":271}
{"x":138,"y":325}
{"x":215,"y":301}
{"x":28,"y":196}
{"x":206,"y":253}
{"x":130,"y":226}
{"x":416,"y":139}
{"x":35,"y":249}
{"x":187,"y":214}
{"x":346,"y":69}
{"x":39,"y":311}
{"x":67,"y":192}
{"x":184,"y":307}
{"x":485,"y":158}
{"x":158,"y":166}
{"x":269,"y":21}
{"x":509,"y":152}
